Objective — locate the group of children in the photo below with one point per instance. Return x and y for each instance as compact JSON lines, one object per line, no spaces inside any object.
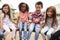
{"x":35,"y":21}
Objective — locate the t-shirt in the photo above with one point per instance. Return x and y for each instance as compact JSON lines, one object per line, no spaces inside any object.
{"x":7,"y":21}
{"x":23,"y":17}
{"x":49,"y":22}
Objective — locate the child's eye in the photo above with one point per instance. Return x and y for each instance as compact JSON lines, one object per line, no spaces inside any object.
{"x":49,"y":11}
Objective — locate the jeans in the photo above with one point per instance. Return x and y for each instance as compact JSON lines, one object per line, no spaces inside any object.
{"x":48,"y":31}
{"x":1,"y":34}
{"x":7,"y":30}
{"x":22,"y":25}
{"x":37,"y":30}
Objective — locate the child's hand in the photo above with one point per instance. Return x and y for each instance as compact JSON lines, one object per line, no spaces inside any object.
{"x":55,"y":28}
{"x":28,"y":25}
{"x":3,"y":30}
{"x":36,"y":19}
{"x":16,"y":25}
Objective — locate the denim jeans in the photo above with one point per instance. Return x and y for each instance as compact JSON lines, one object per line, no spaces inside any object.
{"x":1,"y":34}
{"x":47,"y":31}
{"x":22,"y":25}
{"x":37,"y":30}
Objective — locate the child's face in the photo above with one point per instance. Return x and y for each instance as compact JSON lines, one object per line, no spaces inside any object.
{"x":6,"y":9}
{"x":23,"y":7}
{"x":49,"y":13}
{"x":38,"y":8}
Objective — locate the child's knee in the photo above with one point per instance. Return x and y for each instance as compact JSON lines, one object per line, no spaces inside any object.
{"x":13,"y":28}
{"x":1,"y":35}
{"x":48,"y":34}
{"x":30,"y":30}
{"x":7,"y":30}
{"x":37,"y":31}
{"x":42,"y":31}
{"x":25,"y":29}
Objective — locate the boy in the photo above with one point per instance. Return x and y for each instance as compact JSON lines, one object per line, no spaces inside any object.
{"x":37,"y":19}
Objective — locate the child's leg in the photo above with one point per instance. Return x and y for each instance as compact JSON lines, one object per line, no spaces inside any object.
{"x":0,"y":39}
{"x":43,"y":31}
{"x":51,"y":31}
{"x":31,"y":27}
{"x":37,"y":30}
{"x":1,"y":34}
{"x":25,"y":30}
{"x":20,"y":30}
{"x":13,"y":31}
{"x":7,"y":30}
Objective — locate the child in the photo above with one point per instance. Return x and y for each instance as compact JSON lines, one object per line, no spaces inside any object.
{"x":7,"y":21}
{"x":37,"y":18}
{"x":23,"y":19}
{"x":58,"y":28}
{"x":1,"y":28}
{"x":50,"y":23}
{"x":56,"y":36}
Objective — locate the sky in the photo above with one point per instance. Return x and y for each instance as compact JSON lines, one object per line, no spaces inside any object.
{"x":14,"y":3}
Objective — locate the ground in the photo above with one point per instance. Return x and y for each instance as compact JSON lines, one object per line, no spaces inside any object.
{"x":17,"y":36}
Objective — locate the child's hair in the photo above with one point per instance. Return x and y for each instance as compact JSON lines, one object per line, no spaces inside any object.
{"x":39,"y":3}
{"x":54,"y":21}
{"x":55,"y":36}
{"x":8,"y":13}
{"x":27,"y":7}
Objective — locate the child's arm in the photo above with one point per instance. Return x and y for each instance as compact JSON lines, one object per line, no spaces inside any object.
{"x":17,"y":23}
{"x":58,"y":28}
{"x":19,"y":19}
{"x":12,"y":20}
{"x":29,"y":19}
{"x":42,"y":21}
{"x":1,"y":24}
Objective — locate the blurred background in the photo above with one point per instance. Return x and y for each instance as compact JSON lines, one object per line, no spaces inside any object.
{"x":14,"y":9}
{"x":46,"y":3}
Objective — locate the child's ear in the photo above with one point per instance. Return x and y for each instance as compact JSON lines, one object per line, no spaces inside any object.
{"x":41,"y":7}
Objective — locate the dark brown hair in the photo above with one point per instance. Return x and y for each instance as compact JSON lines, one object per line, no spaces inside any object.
{"x":54,"y":21}
{"x":39,"y":3}
{"x":20,"y":5}
{"x":8,"y":13}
